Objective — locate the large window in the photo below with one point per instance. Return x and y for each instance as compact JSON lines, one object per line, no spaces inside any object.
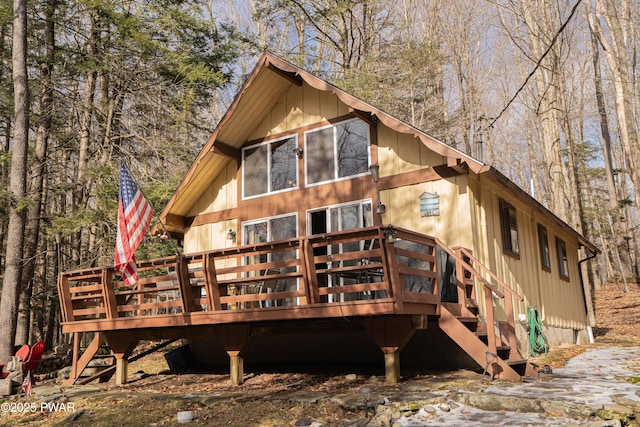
{"x":337,"y":152}
{"x":270,"y":229}
{"x":543,"y":243}
{"x":563,"y":259}
{"x":509,"y":226}
{"x":270,"y":167}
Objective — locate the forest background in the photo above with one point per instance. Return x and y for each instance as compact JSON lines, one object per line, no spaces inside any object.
{"x":544,"y":90}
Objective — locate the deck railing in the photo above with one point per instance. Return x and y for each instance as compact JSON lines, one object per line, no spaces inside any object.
{"x":356,"y":267}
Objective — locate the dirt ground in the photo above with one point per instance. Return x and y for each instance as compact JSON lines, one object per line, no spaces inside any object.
{"x":618,"y":314}
{"x":154,"y":396}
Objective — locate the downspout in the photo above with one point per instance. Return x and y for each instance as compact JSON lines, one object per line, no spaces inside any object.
{"x":584,"y":295}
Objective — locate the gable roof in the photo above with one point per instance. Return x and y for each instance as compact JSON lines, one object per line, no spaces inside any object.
{"x":270,"y":79}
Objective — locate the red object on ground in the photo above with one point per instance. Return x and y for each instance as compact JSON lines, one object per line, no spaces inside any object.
{"x":34,"y":357}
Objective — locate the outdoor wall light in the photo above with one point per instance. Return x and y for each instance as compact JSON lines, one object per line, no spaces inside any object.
{"x":231,"y":235}
{"x":298,"y":152}
{"x":374,"y":169}
{"x":390,"y":235}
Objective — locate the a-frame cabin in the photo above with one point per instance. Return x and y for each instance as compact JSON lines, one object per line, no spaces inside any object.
{"x":308,"y":207}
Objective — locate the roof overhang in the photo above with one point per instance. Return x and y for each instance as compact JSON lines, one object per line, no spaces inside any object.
{"x":493,"y":175}
{"x":261,"y":91}
{"x":272,"y":77}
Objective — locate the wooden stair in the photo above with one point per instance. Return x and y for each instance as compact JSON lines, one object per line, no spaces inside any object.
{"x":99,"y":350}
{"x":494,"y":348}
{"x":463,"y":330}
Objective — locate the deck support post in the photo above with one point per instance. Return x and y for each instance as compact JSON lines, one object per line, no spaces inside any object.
{"x":122,"y":365}
{"x":236,"y":368}
{"x":233,"y":338}
{"x":391,"y":365}
{"x":391,"y":334}
{"x":122,"y":345}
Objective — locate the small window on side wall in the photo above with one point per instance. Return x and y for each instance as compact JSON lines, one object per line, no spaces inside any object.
{"x":563,"y":259}
{"x":543,"y":242}
{"x":509,"y":224}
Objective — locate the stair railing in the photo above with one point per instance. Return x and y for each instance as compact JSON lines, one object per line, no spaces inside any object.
{"x":462,"y":265}
{"x":510,"y":294}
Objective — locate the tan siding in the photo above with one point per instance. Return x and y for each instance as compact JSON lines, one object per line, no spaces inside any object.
{"x":560,"y":302}
{"x":429,"y":157}
{"x":311,"y":105}
{"x":328,"y":105}
{"x":295,"y":116}
{"x":408,"y":154}
{"x":209,"y":236}
{"x":452,"y":226}
{"x":220,"y":194}
{"x":299,"y":106}
{"x":387,"y":147}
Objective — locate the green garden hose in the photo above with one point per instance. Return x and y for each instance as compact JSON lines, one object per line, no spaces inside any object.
{"x":537,"y":343}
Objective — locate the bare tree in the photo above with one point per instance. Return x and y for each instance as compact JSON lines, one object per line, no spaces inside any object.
{"x":611,"y":24}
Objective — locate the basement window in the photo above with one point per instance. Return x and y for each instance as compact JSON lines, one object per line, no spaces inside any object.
{"x":543,"y":243}
{"x":508,"y":221}
{"x":563,"y":259}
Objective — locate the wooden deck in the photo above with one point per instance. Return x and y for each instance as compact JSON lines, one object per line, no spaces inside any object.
{"x":384,"y":275}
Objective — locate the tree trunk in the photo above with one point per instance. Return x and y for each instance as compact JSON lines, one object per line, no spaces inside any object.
{"x":618,"y":59}
{"x":606,"y":144}
{"x":18,"y":177}
{"x":38,"y":173}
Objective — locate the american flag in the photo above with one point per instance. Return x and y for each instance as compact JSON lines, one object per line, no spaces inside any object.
{"x":26,"y":384}
{"x":134,"y":216}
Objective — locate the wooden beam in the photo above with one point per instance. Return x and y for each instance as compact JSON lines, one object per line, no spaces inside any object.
{"x":435,"y":173}
{"x":457,"y":164}
{"x":352,"y":308}
{"x":367,"y":116}
{"x":233,"y":338}
{"x":391,"y":334}
{"x":108,"y":294}
{"x":122,"y":344}
{"x":211,"y":217}
{"x":236,"y":368}
{"x":291,"y":76}
{"x":186,"y":293}
{"x":174,"y":220}
{"x":79,"y":363}
{"x":310,"y":278}
{"x":392,"y":367}
{"x":211,"y":283}
{"x":226,"y":150}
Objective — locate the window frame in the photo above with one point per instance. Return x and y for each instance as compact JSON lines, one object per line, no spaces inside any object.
{"x":563,"y":258}
{"x":507,"y":227}
{"x":267,"y":220}
{"x":336,"y":159}
{"x":543,"y":246}
{"x":268,"y":178}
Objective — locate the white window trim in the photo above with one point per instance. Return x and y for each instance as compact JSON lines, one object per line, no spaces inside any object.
{"x":335,"y":154}
{"x":267,"y":219}
{"x":269,"y":192}
{"x":337,"y":205}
